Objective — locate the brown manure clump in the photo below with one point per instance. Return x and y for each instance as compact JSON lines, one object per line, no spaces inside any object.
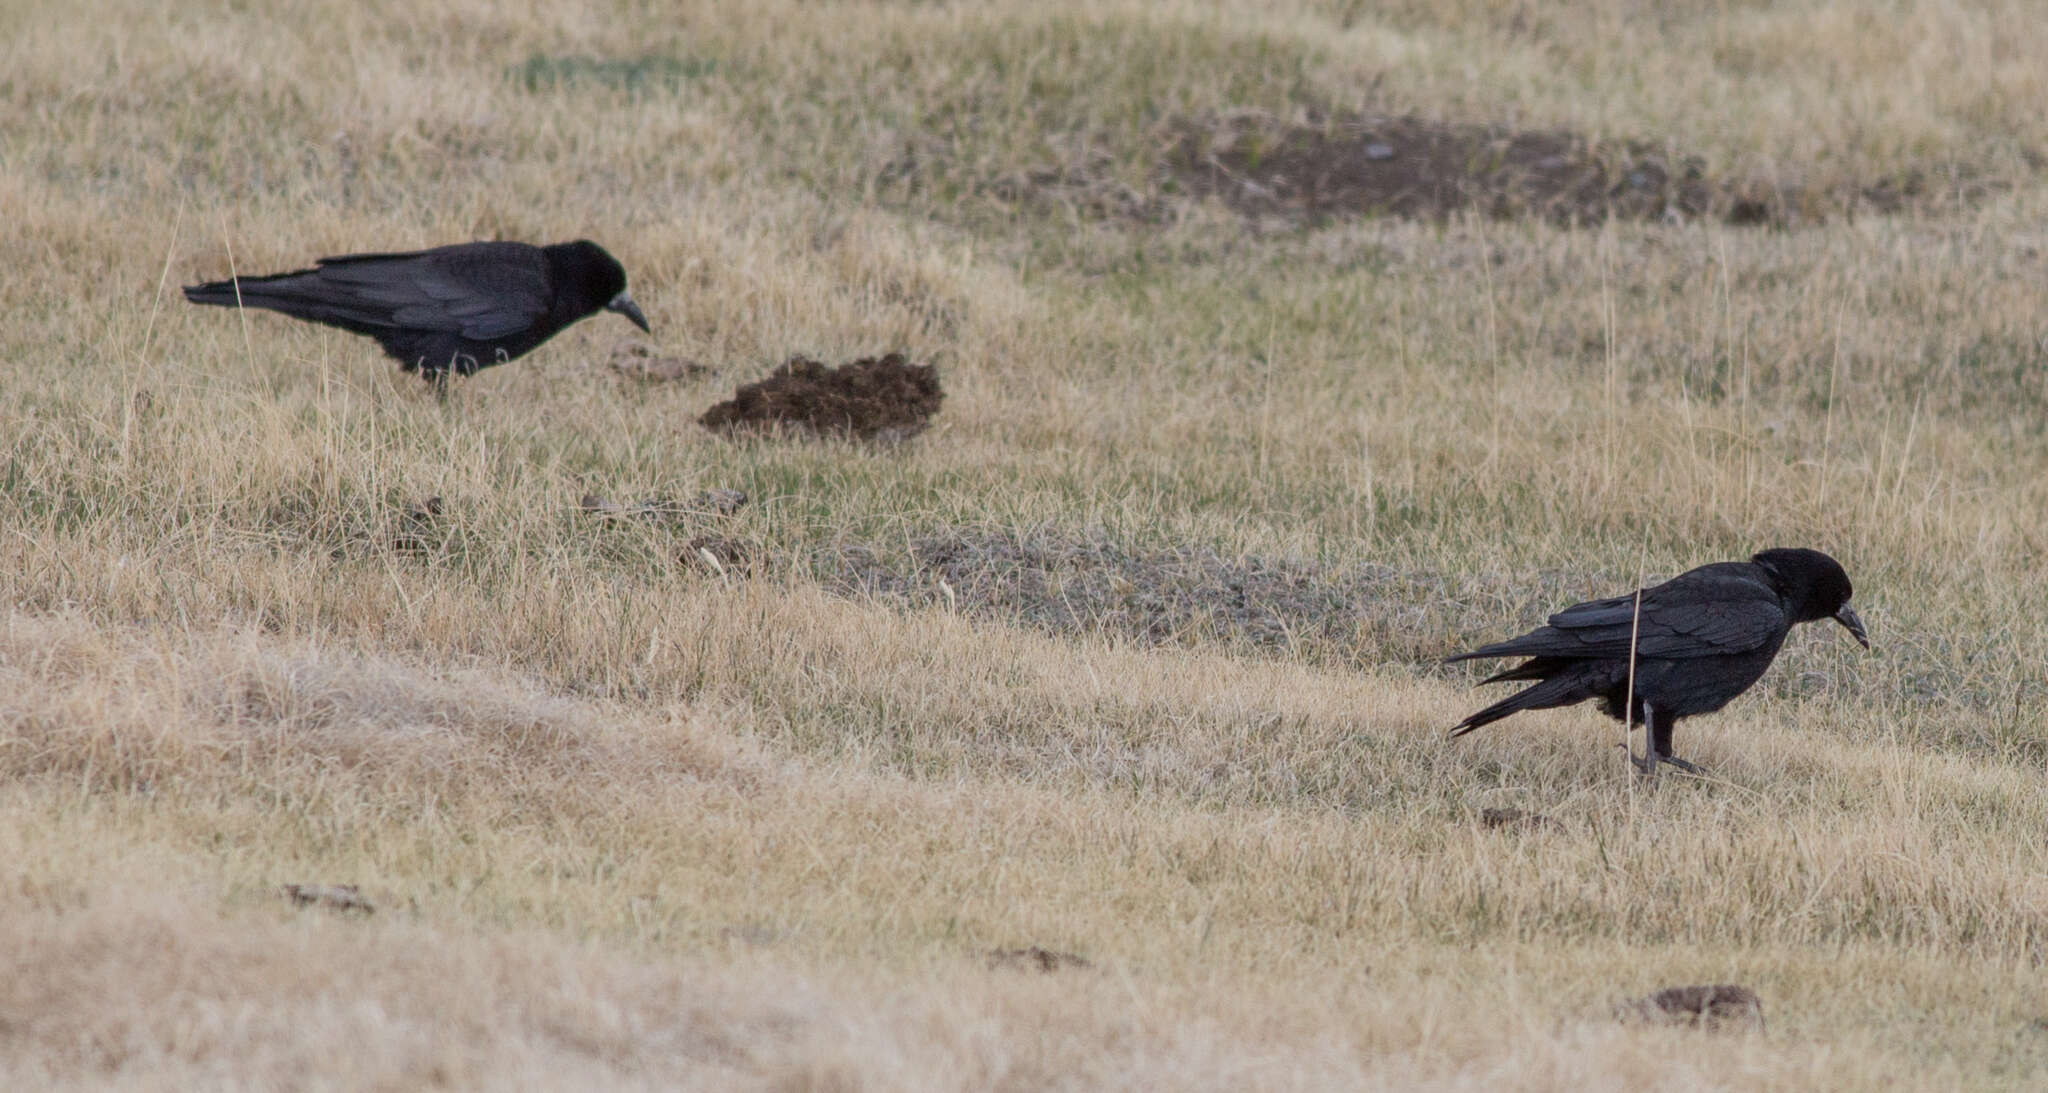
{"x":874,"y":398}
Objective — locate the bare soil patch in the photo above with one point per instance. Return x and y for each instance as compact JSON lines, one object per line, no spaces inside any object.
{"x":1066,"y":582}
{"x":1426,"y":170}
{"x":874,"y":398}
{"x":1331,"y":167}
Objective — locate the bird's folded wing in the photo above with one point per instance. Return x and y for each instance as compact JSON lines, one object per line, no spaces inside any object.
{"x":1703,"y":616}
{"x":479,"y":300}
{"x":1698,"y":615}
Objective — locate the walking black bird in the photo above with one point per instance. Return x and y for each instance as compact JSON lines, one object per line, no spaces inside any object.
{"x":450,"y":309}
{"x":1700,"y":639}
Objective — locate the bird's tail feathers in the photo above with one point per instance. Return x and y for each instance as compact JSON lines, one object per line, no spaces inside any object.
{"x":271,"y":291}
{"x":304,"y":295}
{"x":1561,"y":690}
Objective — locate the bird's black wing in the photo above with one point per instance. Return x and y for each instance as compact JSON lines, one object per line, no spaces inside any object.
{"x":1715,"y":610}
{"x":481,"y":292}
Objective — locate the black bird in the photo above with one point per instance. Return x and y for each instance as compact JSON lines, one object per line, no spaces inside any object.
{"x":1700,"y":639}
{"x":456,"y":308}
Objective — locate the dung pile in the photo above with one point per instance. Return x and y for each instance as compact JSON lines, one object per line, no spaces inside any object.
{"x":874,"y":398}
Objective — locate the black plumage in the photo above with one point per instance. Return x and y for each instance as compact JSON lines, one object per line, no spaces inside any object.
{"x":450,"y":309}
{"x":1700,"y":639}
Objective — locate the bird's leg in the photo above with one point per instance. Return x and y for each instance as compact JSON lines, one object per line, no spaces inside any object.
{"x":1660,"y":743}
{"x":1646,"y":764}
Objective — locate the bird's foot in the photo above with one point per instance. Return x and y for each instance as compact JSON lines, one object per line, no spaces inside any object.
{"x":1647,"y":765}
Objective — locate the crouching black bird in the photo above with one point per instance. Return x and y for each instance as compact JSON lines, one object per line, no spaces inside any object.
{"x":1700,"y":639}
{"x":450,"y":309}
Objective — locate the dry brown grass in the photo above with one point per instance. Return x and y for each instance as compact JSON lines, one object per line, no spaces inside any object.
{"x":633,"y":822}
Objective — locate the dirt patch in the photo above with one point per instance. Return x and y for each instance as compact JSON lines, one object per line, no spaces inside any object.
{"x":1334,"y":166}
{"x":1086,"y":583}
{"x":1722,"y":1007}
{"x":1410,"y":167}
{"x":874,"y":398}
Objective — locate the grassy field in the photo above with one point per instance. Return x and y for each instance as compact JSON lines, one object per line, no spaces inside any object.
{"x":1132,"y":655}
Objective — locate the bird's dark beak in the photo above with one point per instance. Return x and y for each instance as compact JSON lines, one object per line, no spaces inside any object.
{"x":624,"y":305}
{"x":1847,"y":617}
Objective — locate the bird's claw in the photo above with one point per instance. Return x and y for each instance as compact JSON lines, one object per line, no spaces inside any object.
{"x":1647,"y":765}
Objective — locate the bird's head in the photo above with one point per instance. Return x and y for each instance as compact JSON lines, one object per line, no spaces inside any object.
{"x":1814,"y":586}
{"x":598,"y":277}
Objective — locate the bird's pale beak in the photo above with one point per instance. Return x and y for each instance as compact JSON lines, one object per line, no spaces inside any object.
{"x":1847,"y":617}
{"x":624,"y":305}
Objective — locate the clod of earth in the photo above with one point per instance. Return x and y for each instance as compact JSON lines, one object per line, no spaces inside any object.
{"x":875,"y":398}
{"x":334,"y":897}
{"x":1035,"y":958}
{"x":1721,"y":1007}
{"x":638,"y":361}
{"x":1518,"y":820}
